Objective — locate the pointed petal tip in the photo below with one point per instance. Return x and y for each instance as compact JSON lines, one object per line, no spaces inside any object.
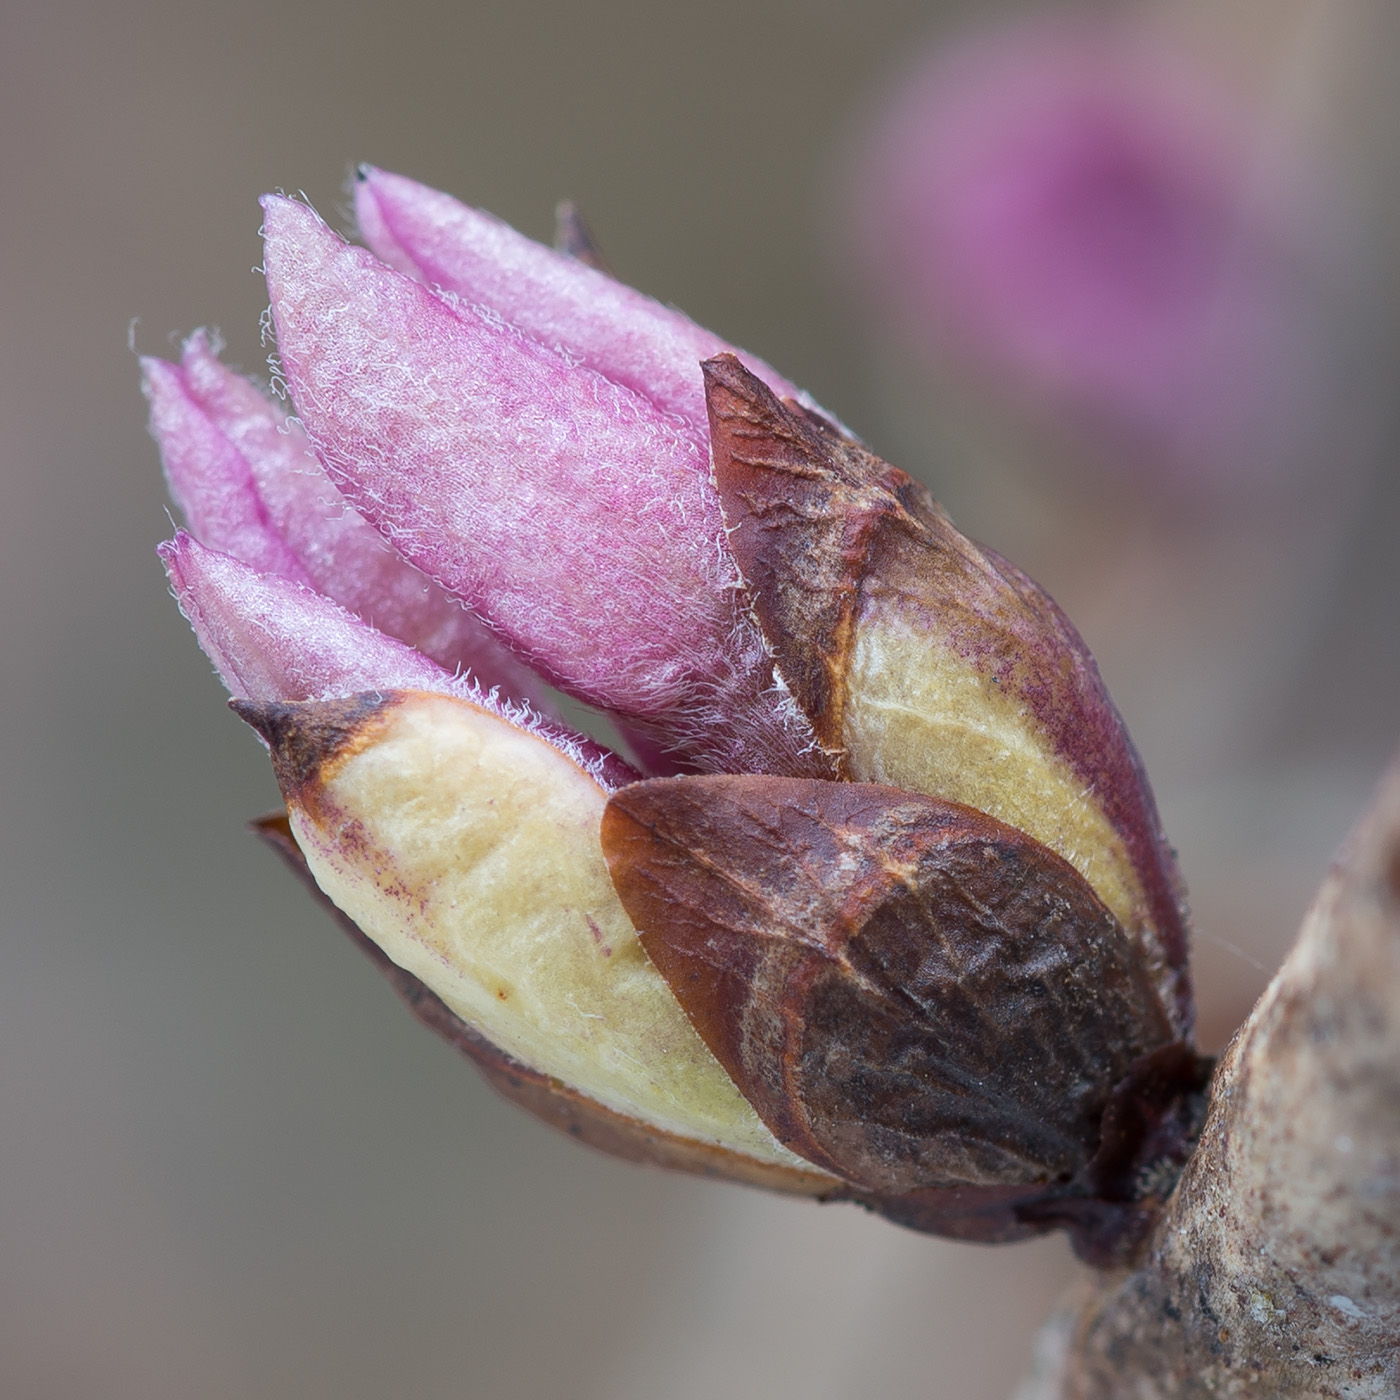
{"x":370,"y":178}
{"x":282,"y":214}
{"x":206,"y":376}
{"x":178,"y":544}
{"x":369,"y":216}
{"x":288,"y":228}
{"x":176,"y":555}
{"x":177,"y":558}
{"x":200,"y":345}
{"x":368,"y":188}
{"x":159,"y":378}
{"x":368,"y":175}
{"x":298,"y":244}
{"x":381,"y":201}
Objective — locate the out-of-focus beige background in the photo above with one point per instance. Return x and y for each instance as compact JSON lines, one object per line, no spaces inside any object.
{"x":230,"y":1164}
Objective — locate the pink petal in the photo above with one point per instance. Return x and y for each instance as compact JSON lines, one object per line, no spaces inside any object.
{"x":609,"y":327}
{"x":563,"y":507}
{"x":208,"y":477}
{"x":275,"y":639}
{"x":338,"y":552}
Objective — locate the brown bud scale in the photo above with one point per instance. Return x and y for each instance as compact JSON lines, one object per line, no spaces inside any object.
{"x":911,"y":994}
{"x":924,"y":661}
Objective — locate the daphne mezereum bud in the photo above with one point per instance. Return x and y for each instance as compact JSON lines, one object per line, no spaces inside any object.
{"x":879,"y":908}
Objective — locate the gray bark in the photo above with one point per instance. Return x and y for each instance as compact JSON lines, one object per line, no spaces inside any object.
{"x":1275,"y":1268}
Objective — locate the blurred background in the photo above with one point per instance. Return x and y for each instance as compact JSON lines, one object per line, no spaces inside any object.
{"x":1117,"y":282}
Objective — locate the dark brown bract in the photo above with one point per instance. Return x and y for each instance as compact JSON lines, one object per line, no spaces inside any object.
{"x":912,"y":995}
{"x":925,"y":661}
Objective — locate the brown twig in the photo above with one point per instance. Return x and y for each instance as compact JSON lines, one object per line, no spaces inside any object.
{"x":1275,"y":1269}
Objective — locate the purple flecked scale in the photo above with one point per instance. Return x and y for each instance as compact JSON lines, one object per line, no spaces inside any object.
{"x":274,"y":639}
{"x":341,"y":554}
{"x":1058,"y":680}
{"x":624,"y":335}
{"x":209,"y":478}
{"x":567,"y":510}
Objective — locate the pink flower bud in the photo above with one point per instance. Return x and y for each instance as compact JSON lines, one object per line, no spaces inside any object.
{"x":924,"y":885}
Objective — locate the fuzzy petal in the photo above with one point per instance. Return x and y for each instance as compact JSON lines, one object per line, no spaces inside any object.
{"x":332,"y":547}
{"x":561,"y":506}
{"x":275,"y":640}
{"x":557,"y":299}
{"x":209,"y":478}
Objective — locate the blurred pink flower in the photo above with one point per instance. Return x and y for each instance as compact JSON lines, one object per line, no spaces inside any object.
{"x":1094,"y":224}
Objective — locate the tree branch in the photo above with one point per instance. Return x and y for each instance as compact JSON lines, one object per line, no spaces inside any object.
{"x":1275,"y":1269}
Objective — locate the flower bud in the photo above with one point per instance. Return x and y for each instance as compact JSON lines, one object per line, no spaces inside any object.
{"x":913,"y":940}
